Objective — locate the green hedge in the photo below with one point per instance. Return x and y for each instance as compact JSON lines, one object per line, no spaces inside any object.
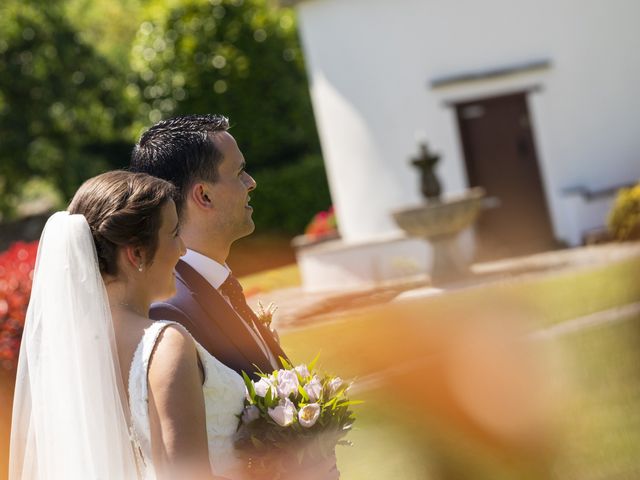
{"x":71,"y":106}
{"x":288,"y":197}
{"x":239,"y":58}
{"x":62,"y":104}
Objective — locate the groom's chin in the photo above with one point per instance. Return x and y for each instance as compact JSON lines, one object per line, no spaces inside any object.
{"x":169,"y":292}
{"x":250,"y":227}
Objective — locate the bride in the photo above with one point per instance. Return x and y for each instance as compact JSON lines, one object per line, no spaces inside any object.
{"x":87,"y":335}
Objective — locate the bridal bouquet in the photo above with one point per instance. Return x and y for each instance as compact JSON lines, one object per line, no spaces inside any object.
{"x":292,"y":417}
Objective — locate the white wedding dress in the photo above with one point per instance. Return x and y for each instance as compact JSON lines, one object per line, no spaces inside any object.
{"x":224,"y":393}
{"x":71,"y":418}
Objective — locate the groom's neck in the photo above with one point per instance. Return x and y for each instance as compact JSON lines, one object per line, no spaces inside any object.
{"x":219,"y":255}
{"x":213,"y":248}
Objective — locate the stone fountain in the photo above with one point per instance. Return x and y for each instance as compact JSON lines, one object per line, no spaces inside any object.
{"x":440,"y":221}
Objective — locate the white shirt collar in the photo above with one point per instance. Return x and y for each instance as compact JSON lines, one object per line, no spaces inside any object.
{"x":212,"y":271}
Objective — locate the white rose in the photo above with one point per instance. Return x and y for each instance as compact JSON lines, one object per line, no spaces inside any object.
{"x":250,"y":414}
{"x":284,"y":413}
{"x":287,"y":383}
{"x":308,"y":415}
{"x":302,"y":370}
{"x":313,"y":389}
{"x":262,"y":386}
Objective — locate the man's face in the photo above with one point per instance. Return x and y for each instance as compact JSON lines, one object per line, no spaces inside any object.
{"x":232,"y":213}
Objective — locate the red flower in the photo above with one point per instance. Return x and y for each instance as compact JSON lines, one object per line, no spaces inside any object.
{"x":323,"y":224}
{"x":16,"y":274}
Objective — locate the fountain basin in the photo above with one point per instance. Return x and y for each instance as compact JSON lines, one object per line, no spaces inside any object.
{"x":441,"y":218}
{"x":440,"y":222}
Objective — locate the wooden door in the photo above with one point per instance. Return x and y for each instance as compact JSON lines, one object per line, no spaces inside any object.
{"x":500,"y":156}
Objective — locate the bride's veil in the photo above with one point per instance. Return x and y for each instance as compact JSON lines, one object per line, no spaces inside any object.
{"x":70,"y":411}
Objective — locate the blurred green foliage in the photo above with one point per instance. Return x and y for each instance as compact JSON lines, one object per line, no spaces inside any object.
{"x":624,"y":218}
{"x":287,"y":197}
{"x":61,"y":103}
{"x":81,"y":79}
{"x":237,"y":57}
{"x":110,"y":26}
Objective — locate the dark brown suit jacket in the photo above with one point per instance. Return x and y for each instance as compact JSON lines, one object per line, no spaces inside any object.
{"x":215,"y":324}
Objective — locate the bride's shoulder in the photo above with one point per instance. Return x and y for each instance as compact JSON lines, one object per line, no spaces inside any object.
{"x":169,"y":347}
{"x":173,"y":345}
{"x":174,"y":374}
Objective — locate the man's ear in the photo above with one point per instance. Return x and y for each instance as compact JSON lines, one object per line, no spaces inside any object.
{"x":201,"y":196}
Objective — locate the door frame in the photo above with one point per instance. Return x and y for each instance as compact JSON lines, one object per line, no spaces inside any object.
{"x":533,"y":84}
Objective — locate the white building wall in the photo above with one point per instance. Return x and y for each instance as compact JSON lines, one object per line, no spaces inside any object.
{"x":370,"y":63}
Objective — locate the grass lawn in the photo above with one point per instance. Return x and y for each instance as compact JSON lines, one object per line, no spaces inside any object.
{"x":277,"y":278}
{"x":538,"y":301}
{"x":413,"y":426}
{"x":602,"y":423}
{"x":596,"y":428}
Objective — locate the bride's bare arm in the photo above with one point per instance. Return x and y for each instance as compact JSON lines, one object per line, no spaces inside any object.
{"x":176,"y":409}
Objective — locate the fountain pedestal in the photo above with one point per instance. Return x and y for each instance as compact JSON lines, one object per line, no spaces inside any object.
{"x":447,"y":262}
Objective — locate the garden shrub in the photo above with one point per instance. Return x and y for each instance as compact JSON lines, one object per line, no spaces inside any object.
{"x":624,"y":218}
{"x":287,"y":197}
{"x":16,"y":274}
{"x":63,"y":108}
{"x":237,"y":58}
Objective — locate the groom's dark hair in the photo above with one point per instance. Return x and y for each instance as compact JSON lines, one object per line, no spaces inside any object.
{"x":181,"y":151}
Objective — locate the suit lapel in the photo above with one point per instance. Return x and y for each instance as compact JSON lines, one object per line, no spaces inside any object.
{"x":225,"y":317}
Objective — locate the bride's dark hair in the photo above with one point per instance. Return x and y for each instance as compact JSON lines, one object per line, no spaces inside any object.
{"x":122,"y":208}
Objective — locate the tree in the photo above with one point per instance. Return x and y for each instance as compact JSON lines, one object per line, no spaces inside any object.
{"x":71,"y":106}
{"x":63,"y":107}
{"x":239,"y":58}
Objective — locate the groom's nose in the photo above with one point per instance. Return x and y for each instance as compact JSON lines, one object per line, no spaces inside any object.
{"x":250,"y":182}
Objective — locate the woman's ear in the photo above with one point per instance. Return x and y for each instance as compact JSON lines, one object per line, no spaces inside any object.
{"x":201,"y":196}
{"x":135,"y":257}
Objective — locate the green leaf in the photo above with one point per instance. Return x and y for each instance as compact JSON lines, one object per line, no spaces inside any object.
{"x":250,"y":387}
{"x":303,"y":393}
{"x":271,"y":398}
{"x":312,"y":365}
{"x":285,"y":363}
{"x":330,"y":404}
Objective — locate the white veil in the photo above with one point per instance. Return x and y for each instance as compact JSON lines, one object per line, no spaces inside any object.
{"x":70,"y":411}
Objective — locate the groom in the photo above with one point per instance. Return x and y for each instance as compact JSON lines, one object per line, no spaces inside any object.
{"x":199,"y":156}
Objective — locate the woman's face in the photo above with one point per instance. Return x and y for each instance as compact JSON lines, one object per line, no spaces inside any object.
{"x":160,"y":273}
